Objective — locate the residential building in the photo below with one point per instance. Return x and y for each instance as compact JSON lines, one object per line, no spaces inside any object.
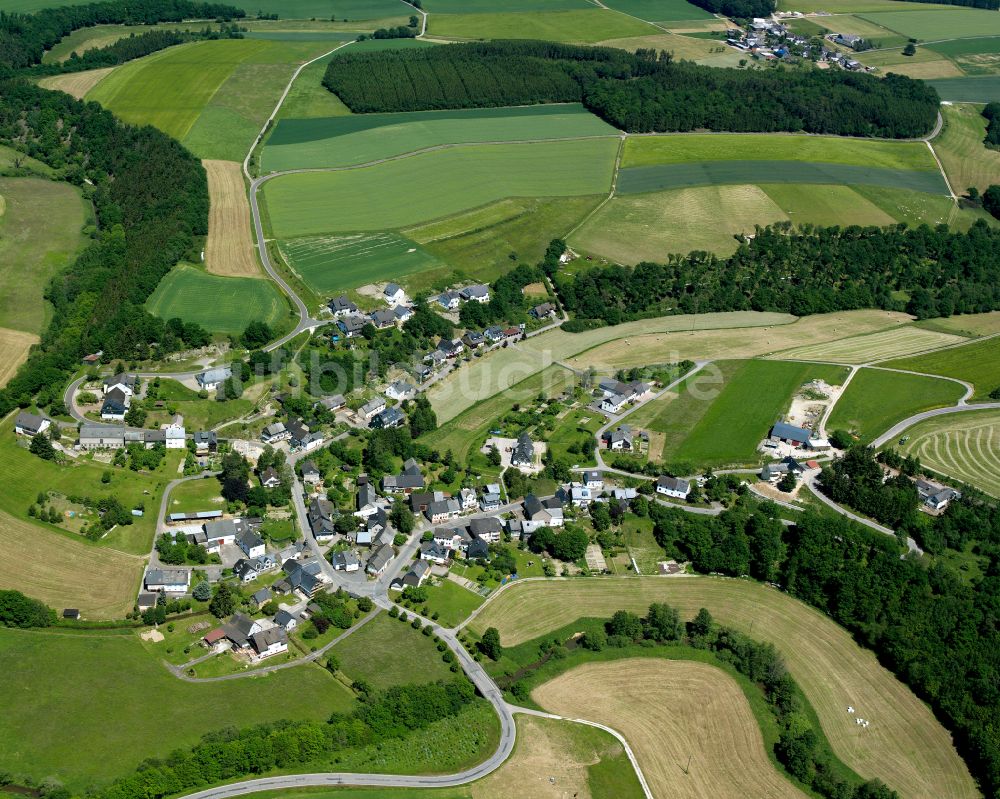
{"x":286,"y":621}
{"x":270,"y":642}
{"x":383,"y":318}
{"x":790,"y":434}
{"x":435,"y":553}
{"x":380,"y":560}
{"x":478,"y":549}
{"x":390,"y":417}
{"x":205,"y":441}
{"x":544,"y":311}
{"x":473,"y":340}
{"x":524,"y":452}
{"x":393,"y":294}
{"x":620,"y":438}
{"x":402,"y":313}
{"x":341,"y":306}
{"x":488,"y":528}
{"x":249,"y":569}
{"x":477,"y":293}
{"x":334,"y":403}
{"x":351,"y":325}
{"x":442,"y":510}
{"x":408,"y":481}
{"x":449,"y":300}
{"x":172,"y":581}
{"x":297,"y":432}
{"x":321,"y":516}
{"x":303,"y":576}
{"x":261,"y":597}
{"x":28,"y":424}
{"x":401,"y":390}
{"x":420,"y":500}
{"x":346,"y":562}
{"x":275,"y":433}
{"x":370,"y":409}
{"x":452,"y":348}
{"x":250,"y":542}
{"x":115,"y":405}
{"x":367,"y":500}
{"x":310,"y":474}
{"x":467,"y":499}
{"x":175,"y":436}
{"x":419,"y":572}
{"x":593,"y":480}
{"x":269,"y":478}
{"x":614,"y":403}
{"x":126,"y":383}
{"x":493,"y":335}
{"x":536,"y":515}
{"x":211,"y":379}
{"x":673,"y":487}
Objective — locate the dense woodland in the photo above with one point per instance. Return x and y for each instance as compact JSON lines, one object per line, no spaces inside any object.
{"x":639,"y":93}
{"x":804,"y":271}
{"x":150,"y":196}
{"x":24,"y":38}
{"x":739,"y":9}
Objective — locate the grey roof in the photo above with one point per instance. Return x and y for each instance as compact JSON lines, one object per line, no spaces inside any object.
{"x":437,"y":507}
{"x":123,"y":378}
{"x":265,"y":638}
{"x":433,"y":551}
{"x":380,"y":558}
{"x":341,"y":303}
{"x":167,"y":576}
{"x":524,"y":451}
{"x":390,"y":417}
{"x":308,"y":467}
{"x":532,"y":506}
{"x":206,"y":437}
{"x":29,"y":421}
{"x":791,"y":432}
{"x":262,"y":596}
{"x":336,"y":401}
{"x":673,"y":484}
{"x":248,"y":539}
{"x":345,"y":559}
{"x":592,"y":477}
{"x":391,"y":288}
{"x":402,"y":481}
{"x":483,"y":526}
{"x":383,"y":317}
{"x":274,"y":429}
{"x":366,"y":495}
{"x":402,"y":387}
{"x":214,"y":375}
{"x":352,"y":324}
{"x":282,"y":617}
{"x":372,"y":405}
{"x":474,"y":292}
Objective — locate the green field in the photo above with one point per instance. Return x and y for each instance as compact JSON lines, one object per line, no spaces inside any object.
{"x":489,"y":7}
{"x":719,"y":417}
{"x":689,"y":148}
{"x":892,"y":343}
{"x":362,"y":138}
{"x":939,"y":24}
{"x":965,"y":157}
{"x":452,"y":602}
{"x":220,"y":304}
{"x":827,"y":205}
{"x":641,"y":179}
{"x":965,"y":446}
{"x":386,"y":652}
{"x":329,"y":264}
{"x":977,"y":363}
{"x":960,"y":47}
{"x":875,"y":400}
{"x":659,"y":10}
{"x":584,"y":25}
{"x":852,"y":6}
{"x":437,"y":184}
{"x":41,"y":224}
{"x":72,"y":715}
{"x":917,"y":208}
{"x":979,"y":89}
{"x":196,"y":495}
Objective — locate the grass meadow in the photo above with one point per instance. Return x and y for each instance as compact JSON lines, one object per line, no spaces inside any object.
{"x":586,"y":25}
{"x":41,"y":224}
{"x":932,"y":24}
{"x":965,"y":158}
{"x":977,"y":363}
{"x":196,"y":495}
{"x":659,"y":10}
{"x":55,"y":683}
{"x":875,"y":400}
{"x":977,"y":89}
{"x":971,"y":325}
{"x":440,"y":183}
{"x":488,"y":7}
{"x":905,"y":746}
{"x":220,"y":304}
{"x":965,"y":446}
{"x":362,"y":138}
{"x":350,"y":10}
{"x":900,"y":341}
{"x":452,"y":602}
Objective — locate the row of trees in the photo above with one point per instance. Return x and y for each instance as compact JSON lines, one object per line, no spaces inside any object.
{"x":641,"y":92}
{"x":804,"y":271}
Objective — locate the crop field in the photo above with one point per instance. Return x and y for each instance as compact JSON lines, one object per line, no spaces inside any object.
{"x":875,"y":400}
{"x":585,"y":25}
{"x":329,"y":264}
{"x":440,"y":183}
{"x":41,"y":223}
{"x":965,"y":446}
{"x":219,"y":304}
{"x":229,"y":250}
{"x":14,"y":346}
{"x":487,"y":7}
{"x":466,"y":427}
{"x":678,"y":716}
{"x":853,"y":6}
{"x":660,"y":10}
{"x":66,"y":573}
{"x":363,"y":138}
{"x":386,"y":652}
{"x":895,"y":343}
{"x":905,"y":745}
{"x":924,"y":65}
{"x":76,"y":84}
{"x":977,"y":89}
{"x":742,"y":398}
{"x":48,"y":715}
{"x":939,"y":24}
{"x":972,"y":56}
{"x":351,"y":10}
{"x":965,"y":158}
{"x":658,"y":177}
{"x":689,"y":148}
{"x":826,"y":205}
{"x":977,"y":363}
{"x":647,"y":227}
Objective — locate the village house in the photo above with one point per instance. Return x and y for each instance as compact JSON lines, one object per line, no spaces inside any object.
{"x":673,"y":487}
{"x":420,"y":500}
{"x":419,"y":572}
{"x":351,"y":325}
{"x":408,"y":481}
{"x":393,"y":294}
{"x":115,"y":405}
{"x":175,"y":437}
{"x":269,"y":478}
{"x":491,"y":499}
{"x":211,"y":379}
{"x":614,"y":403}
{"x":249,"y":569}
{"x":435,"y":553}
{"x":275,"y":433}
{"x":620,"y":438}
{"x":310,"y":474}
{"x":321,"y":516}
{"x":449,"y":300}
{"x":383,"y":318}
{"x":523,"y":455}
{"x":467,"y":499}
{"x":401,"y":390}
{"x":127,"y":384}
{"x":488,"y":528}
{"x":593,"y":480}
{"x":477,"y":293}
{"x":250,"y":542}
{"x":29,"y":424}
{"x":441,"y":510}
{"x":934,"y":496}
{"x":303,"y":576}
{"x":334,"y":403}
{"x":380,"y":560}
{"x":494,"y":335}
{"x":473,"y":340}
{"x":341,"y":306}
{"x":171,"y":581}
{"x":268,"y":643}
{"x":402,"y":313}
{"x":537,"y":514}
{"x":372,"y":408}
{"x":544,"y":311}
{"x":285,"y":620}
{"x":389,"y":418}
{"x":205,"y":442}
{"x":345,"y":562}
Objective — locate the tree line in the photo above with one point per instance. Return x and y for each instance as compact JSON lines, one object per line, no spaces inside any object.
{"x":637,"y":92}
{"x":803,"y":271}
{"x":992,"y":5}
{"x":24,"y":38}
{"x":739,"y":9}
{"x":150,"y":197}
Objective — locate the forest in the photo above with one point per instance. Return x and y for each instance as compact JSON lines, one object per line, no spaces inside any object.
{"x":936,"y":631}
{"x":24,"y":38}
{"x":739,"y":9}
{"x":150,"y":196}
{"x":639,"y":93}
{"x":803,"y":271}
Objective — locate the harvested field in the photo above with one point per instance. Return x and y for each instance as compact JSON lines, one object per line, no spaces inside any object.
{"x":686,"y":47}
{"x":965,"y":446}
{"x":65,"y":573}
{"x":668,"y":711}
{"x":904,"y":340}
{"x":583,"y":25}
{"x":977,"y":363}
{"x":975,"y":324}
{"x":229,"y":250}
{"x":738,"y":342}
{"x":14,"y":346}
{"x":76,"y":84}
{"x":905,"y":745}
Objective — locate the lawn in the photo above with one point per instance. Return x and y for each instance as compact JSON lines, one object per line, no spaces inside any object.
{"x":385,"y":652}
{"x":939,"y":23}
{"x":875,"y":400}
{"x":437,"y":184}
{"x":331,"y":264}
{"x":688,"y":148}
{"x":895,"y":343}
{"x":220,"y":304}
{"x":978,"y":89}
{"x":41,"y":225}
{"x":658,"y":177}
{"x":362,"y":138}
{"x":741,"y":398}
{"x":196,"y":495}
{"x":960,"y":147}
{"x":659,"y":10}
{"x":965,"y":446}
{"x":977,"y":363}
{"x":451,"y":602}
{"x":49,"y":716}
{"x":905,"y":746}
{"x":586,"y":25}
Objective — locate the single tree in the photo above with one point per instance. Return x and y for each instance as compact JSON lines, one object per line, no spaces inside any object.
{"x":490,"y":644}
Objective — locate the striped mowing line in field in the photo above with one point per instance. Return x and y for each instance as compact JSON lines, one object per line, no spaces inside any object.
{"x":967,"y":449}
{"x":903,"y":340}
{"x":657,"y":177}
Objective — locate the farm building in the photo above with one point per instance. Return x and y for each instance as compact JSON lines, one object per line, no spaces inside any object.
{"x":172,"y":581}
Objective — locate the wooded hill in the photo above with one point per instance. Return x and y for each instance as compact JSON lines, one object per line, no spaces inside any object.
{"x":640,"y":93}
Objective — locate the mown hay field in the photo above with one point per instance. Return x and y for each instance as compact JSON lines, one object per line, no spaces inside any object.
{"x":974,"y":324}
{"x":960,"y":147}
{"x":965,"y":446}
{"x":876,"y":346}
{"x":585,"y":25}
{"x":705,"y":51}
{"x":689,"y":724}
{"x":76,"y":84}
{"x":977,"y":363}
{"x":363,"y":138}
{"x":14,"y":347}
{"x":229,"y":250}
{"x":219,"y":304}
{"x":905,"y":745}
{"x":432,"y":185}
{"x":876,"y":399}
